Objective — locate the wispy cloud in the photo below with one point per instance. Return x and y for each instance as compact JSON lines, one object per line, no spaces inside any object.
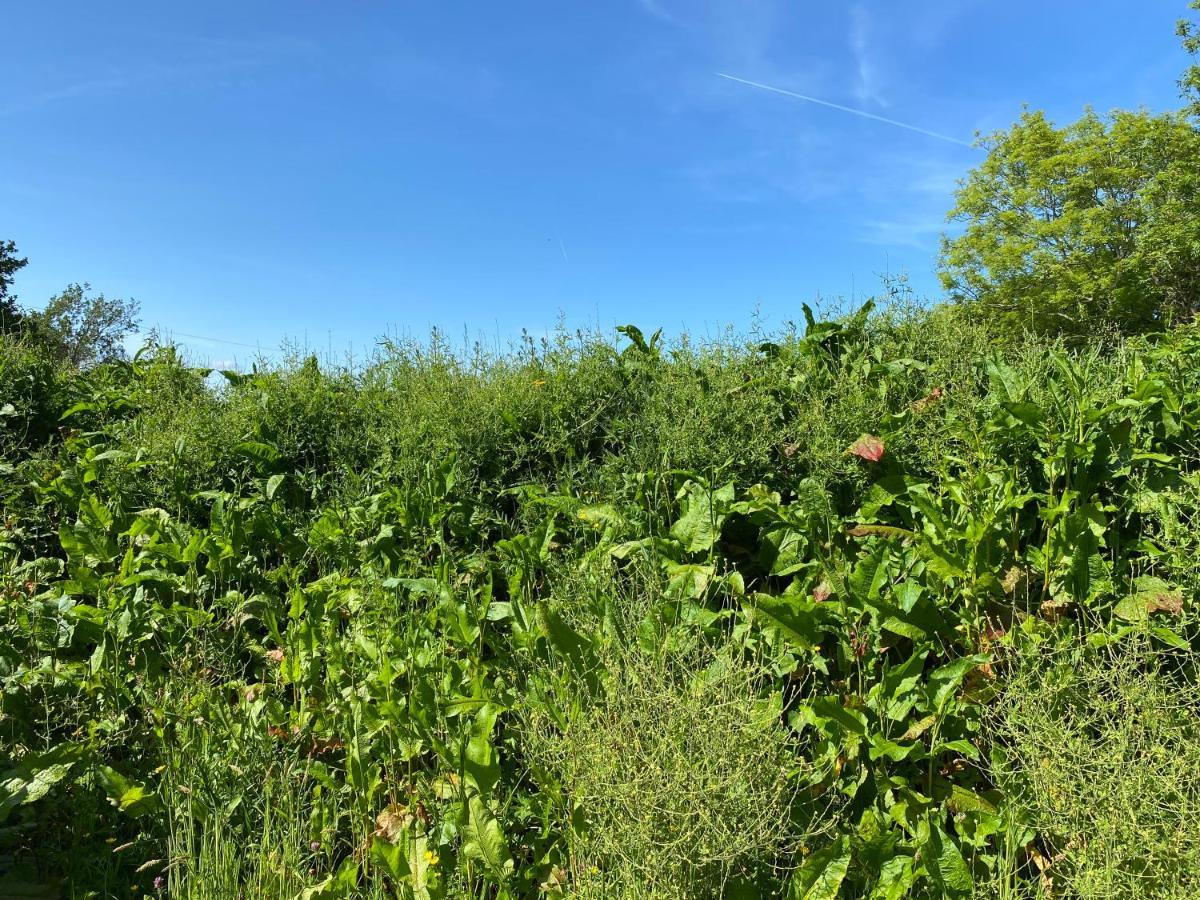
{"x":867,"y":89}
{"x":656,"y":9}
{"x":192,"y":60}
{"x":846,"y":109}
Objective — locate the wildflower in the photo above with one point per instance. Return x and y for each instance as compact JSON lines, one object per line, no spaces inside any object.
{"x":314,"y":846}
{"x":159,"y":882}
{"x":431,"y":857}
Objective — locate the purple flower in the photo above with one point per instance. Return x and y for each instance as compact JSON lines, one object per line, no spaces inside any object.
{"x":159,"y":882}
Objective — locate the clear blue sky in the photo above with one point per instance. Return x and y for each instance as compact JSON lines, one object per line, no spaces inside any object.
{"x":331,"y":171}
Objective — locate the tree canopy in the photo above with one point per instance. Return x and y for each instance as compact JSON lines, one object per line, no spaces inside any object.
{"x":10,"y":263}
{"x":75,"y":327}
{"x":1091,"y":225}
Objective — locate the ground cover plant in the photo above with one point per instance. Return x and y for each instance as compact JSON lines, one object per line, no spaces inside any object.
{"x":830,"y":612}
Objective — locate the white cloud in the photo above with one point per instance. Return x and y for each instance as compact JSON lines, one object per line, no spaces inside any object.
{"x":655,"y":9}
{"x":867,"y":89}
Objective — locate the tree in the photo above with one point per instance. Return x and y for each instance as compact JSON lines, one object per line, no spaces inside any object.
{"x":1092,"y":225}
{"x":1190,"y":82}
{"x":84,"y":330}
{"x":10,"y":316}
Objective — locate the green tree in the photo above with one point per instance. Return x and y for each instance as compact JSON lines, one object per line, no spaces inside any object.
{"x":84,"y":330}
{"x":10,"y":316}
{"x":1093,"y":225}
{"x":1190,"y":82}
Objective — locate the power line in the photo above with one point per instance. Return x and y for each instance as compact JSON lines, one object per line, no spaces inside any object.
{"x":202,"y":337}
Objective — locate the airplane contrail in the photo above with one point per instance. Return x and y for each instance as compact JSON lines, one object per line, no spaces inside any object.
{"x":848,"y":109}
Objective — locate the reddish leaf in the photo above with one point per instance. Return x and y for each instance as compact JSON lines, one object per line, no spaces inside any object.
{"x":868,"y":447}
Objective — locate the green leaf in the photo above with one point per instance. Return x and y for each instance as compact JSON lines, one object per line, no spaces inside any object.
{"x":946,"y":865}
{"x":483,"y":839}
{"x":943,"y":681}
{"x":703,"y":513}
{"x":896,"y":876}
{"x":828,"y":709}
{"x":800,"y":622}
{"x":820,"y":877}
{"x":273,"y":484}
{"x":481,"y":765}
{"x":31,"y":779}
{"x":129,"y":797}
{"x":264,"y":454}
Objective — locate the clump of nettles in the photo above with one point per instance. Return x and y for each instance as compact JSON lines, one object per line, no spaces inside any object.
{"x":680,"y":775}
{"x":1103,"y":752}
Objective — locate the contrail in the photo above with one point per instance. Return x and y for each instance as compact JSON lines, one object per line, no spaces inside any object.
{"x":849,"y":109}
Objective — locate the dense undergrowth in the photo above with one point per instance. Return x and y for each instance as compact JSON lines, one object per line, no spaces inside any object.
{"x":857,"y":609}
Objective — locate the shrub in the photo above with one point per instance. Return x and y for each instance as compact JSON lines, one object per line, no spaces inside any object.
{"x":34,"y":391}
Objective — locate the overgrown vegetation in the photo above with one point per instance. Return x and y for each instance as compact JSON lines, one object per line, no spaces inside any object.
{"x":893,"y":603}
{"x":525,"y":625}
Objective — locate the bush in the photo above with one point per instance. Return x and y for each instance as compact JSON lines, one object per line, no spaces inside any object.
{"x":34,"y":392}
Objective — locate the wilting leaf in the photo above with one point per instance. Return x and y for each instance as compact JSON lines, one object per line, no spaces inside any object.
{"x":890,"y":532}
{"x":392,"y":822}
{"x":1153,"y":596}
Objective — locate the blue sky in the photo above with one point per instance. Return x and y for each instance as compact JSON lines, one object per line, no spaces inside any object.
{"x":327,"y":172}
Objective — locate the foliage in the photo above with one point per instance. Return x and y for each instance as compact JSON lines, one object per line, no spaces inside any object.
{"x":528,"y":624}
{"x":83,"y":330}
{"x":10,"y":264}
{"x":1103,"y":746}
{"x":1189,"y":32}
{"x":678,"y":773}
{"x":1083,"y":228}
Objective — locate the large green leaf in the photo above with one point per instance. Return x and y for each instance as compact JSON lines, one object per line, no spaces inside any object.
{"x":483,"y":839}
{"x":703,"y":513}
{"x":946,"y":866}
{"x":33,"y":777}
{"x":481,"y":763}
{"x":820,"y":877}
{"x":128,"y":796}
{"x":798,"y":621}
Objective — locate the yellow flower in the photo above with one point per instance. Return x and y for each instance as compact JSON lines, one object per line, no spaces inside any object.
{"x":431,"y":857}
